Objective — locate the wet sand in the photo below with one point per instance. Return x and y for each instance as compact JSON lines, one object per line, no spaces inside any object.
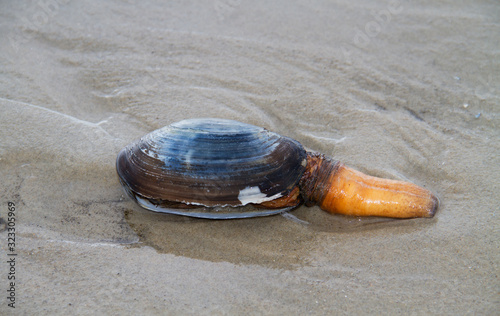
{"x":394,"y":89}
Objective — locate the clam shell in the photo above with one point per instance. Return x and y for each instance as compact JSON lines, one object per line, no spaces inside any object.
{"x":211,"y":163}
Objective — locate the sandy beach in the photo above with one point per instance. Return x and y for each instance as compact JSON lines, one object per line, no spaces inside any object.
{"x":398,"y":89}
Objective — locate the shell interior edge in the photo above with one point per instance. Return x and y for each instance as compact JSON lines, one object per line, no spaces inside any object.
{"x":227,"y":212}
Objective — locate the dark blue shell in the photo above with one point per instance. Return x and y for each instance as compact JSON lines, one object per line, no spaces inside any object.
{"x":213,"y":163}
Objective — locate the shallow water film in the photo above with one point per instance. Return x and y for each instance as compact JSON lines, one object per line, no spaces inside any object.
{"x":396,"y":89}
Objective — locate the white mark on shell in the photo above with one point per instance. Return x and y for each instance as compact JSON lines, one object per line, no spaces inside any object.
{"x":188,"y":158}
{"x":254,"y":195}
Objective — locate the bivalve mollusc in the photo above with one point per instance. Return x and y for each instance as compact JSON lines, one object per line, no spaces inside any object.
{"x":221,"y":169}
